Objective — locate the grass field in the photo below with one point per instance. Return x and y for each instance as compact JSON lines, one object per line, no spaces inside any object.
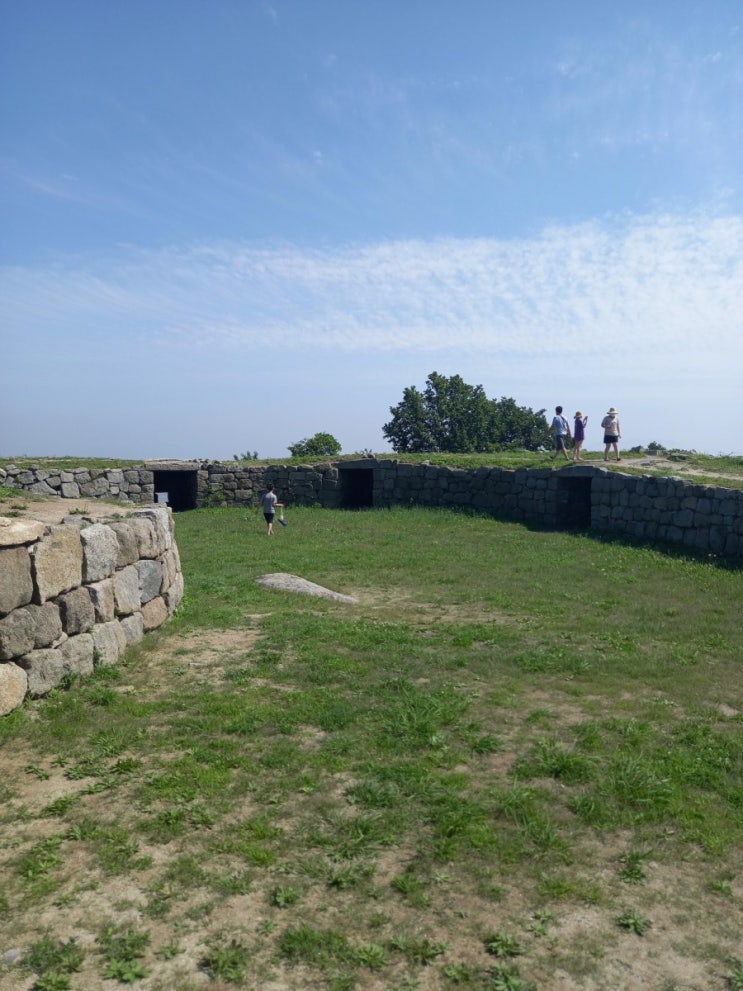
{"x":516,"y":763}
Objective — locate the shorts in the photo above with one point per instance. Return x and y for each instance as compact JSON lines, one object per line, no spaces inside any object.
{"x":560,"y":441}
{"x":611,"y":438}
{"x":268,"y":517}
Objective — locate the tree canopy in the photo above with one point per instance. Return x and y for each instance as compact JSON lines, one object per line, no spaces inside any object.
{"x":451,"y":416}
{"x":322,"y":445}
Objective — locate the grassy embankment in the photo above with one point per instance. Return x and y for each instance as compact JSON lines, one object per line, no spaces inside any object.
{"x":702,"y":468}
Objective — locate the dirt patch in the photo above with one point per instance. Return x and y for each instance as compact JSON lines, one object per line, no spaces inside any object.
{"x":661,"y":465}
{"x":52,"y":511}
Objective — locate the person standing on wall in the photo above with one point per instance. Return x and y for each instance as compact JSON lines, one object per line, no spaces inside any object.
{"x":269,"y":502}
{"x":579,"y":434}
{"x":561,"y":429}
{"x":612,"y":433}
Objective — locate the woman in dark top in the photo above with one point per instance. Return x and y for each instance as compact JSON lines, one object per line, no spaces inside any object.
{"x":579,"y":434}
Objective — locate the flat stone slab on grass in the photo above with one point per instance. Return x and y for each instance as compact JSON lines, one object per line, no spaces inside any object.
{"x":291,"y":583}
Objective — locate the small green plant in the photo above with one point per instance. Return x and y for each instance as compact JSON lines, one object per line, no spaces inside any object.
{"x":506,"y":977}
{"x":101,"y":695}
{"x":458,"y":973}
{"x":418,"y":951}
{"x":283,"y":896}
{"x":53,"y":981}
{"x":632,"y":870}
{"x":502,"y":944}
{"x":125,"y":971}
{"x":722,"y":887}
{"x":41,"y":859}
{"x":315,"y":947}
{"x":116,"y":851}
{"x":540,"y":920}
{"x":124,"y":945}
{"x":86,"y":829}
{"x":633,"y":922}
{"x":54,"y":961}
{"x":38,"y":772}
{"x":412,"y":888}
{"x":59,"y":806}
{"x":734,"y":977}
{"x":349,"y":877}
{"x":487,"y":743}
{"x":169,"y":951}
{"x":372,"y":956}
{"x":213,"y":496}
{"x":226,"y":963}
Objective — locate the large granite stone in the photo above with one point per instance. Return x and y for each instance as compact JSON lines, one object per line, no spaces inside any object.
{"x":46,"y":668}
{"x":150,"y":579}
{"x":16,"y":581}
{"x":110,"y":643}
{"x":13,"y":687}
{"x":57,"y":563}
{"x":126,"y":591}
{"x":17,"y":532}
{"x":16,"y":634}
{"x":100,"y":552}
{"x":78,"y":613}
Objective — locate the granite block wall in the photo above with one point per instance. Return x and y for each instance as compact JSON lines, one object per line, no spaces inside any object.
{"x":78,"y":593}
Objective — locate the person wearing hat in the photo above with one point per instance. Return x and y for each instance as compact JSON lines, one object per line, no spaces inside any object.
{"x":579,"y":434}
{"x":612,"y":433}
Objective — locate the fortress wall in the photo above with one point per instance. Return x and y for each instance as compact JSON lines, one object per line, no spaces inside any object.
{"x":703,"y":517}
{"x":77,"y":594}
{"x":127,"y":485}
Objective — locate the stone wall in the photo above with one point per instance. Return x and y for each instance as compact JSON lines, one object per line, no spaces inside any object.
{"x":302,"y":485}
{"x":132,"y":485}
{"x":523,"y":495}
{"x":78,"y":593}
{"x":704,"y":517}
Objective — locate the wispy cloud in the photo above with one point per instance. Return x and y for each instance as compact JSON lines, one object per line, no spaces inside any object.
{"x":647,"y":285}
{"x":638,"y":89}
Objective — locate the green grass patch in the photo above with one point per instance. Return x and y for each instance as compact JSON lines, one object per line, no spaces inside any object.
{"x":510,"y":726}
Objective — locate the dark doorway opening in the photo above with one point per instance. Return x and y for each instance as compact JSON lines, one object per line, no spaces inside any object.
{"x":179,"y":487}
{"x":573,"y":503}
{"x":357,"y":488}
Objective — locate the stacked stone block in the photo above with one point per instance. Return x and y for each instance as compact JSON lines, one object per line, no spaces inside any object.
{"x":646,"y":507}
{"x":76,"y":594}
{"x":703,"y":517}
{"x":302,"y":485}
{"x":127,"y":485}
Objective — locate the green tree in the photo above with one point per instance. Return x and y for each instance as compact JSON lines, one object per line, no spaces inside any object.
{"x":450,"y":415}
{"x":320,"y":446}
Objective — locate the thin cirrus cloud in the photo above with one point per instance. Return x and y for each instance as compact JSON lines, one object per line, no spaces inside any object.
{"x":648,"y":287}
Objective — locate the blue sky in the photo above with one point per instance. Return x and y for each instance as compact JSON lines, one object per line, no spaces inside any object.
{"x":227,"y":226}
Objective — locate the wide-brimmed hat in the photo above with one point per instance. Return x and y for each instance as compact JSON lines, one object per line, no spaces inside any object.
{"x":578,"y":414}
{"x":612,"y":411}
